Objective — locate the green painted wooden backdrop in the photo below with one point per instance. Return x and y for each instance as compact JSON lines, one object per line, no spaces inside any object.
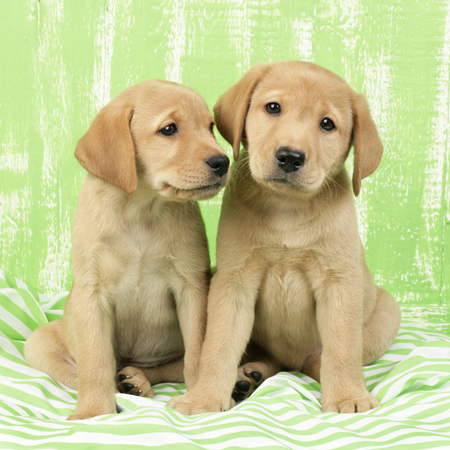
{"x":62,"y":60}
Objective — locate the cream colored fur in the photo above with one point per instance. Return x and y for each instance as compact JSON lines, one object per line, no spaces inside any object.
{"x":291,"y":275}
{"x":140,"y":256}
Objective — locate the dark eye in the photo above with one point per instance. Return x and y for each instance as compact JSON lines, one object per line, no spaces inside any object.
{"x":327,"y":124}
{"x":169,"y":130}
{"x":273,"y":108}
{"x":211,"y":127}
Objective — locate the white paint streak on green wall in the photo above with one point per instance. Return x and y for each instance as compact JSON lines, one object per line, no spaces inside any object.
{"x":63,"y":60}
{"x":177,"y":42}
{"x":104,"y":38}
{"x":302,"y":30}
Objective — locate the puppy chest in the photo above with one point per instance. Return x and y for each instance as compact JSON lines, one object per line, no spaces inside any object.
{"x":285,"y":292}
{"x":285,"y":314}
{"x":147,"y":322}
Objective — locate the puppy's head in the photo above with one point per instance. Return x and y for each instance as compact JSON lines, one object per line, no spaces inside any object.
{"x":159,"y":134}
{"x":298,"y":122}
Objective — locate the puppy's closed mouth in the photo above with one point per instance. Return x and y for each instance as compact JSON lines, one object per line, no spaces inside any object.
{"x":282,"y":183}
{"x":200,"y":188}
{"x":278,"y":180}
{"x":199,"y":193}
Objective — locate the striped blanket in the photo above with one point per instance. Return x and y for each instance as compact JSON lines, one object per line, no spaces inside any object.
{"x":411,"y":381}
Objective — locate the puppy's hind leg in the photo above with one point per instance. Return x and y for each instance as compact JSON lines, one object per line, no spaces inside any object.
{"x":256,"y":367}
{"x":378,"y":333}
{"x":46,"y":351}
{"x":311,"y":367}
{"x":380,"y":330}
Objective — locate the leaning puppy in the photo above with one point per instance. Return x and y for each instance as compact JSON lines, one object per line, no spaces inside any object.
{"x":291,"y":273}
{"x":140,"y":257}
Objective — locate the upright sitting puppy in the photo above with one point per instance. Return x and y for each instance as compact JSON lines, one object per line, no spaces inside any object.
{"x":291,"y":273}
{"x":140,"y":257}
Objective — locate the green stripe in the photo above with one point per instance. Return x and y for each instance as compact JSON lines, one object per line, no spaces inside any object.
{"x":33,"y":305}
{"x":59,"y":305}
{"x":19,"y":313}
{"x":18,"y":344}
{"x":35,"y":402}
{"x":11,"y":280}
{"x":10,"y":332}
{"x":52,"y":316}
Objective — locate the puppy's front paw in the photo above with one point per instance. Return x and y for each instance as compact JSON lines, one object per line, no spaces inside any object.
{"x":358,"y":404}
{"x":249,"y":379}
{"x":191,"y":404}
{"x":131,"y":380}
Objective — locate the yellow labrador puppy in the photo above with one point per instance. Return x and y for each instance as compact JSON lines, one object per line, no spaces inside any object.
{"x":140,"y":256}
{"x":291,"y":273}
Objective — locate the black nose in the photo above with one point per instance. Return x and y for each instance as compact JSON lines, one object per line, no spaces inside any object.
{"x":289,"y":160}
{"x":219,"y":164}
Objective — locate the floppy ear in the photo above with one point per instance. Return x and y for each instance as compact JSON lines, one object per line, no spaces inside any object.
{"x":231,"y":108}
{"x":107,"y":149}
{"x":367,"y":145}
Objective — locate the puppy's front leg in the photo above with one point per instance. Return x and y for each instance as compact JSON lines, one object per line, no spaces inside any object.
{"x":231,"y":304}
{"x":192,"y":302}
{"x":340,"y":320}
{"x":93,"y":328}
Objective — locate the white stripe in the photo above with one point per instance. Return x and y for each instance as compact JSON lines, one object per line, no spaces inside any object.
{"x":396,"y":387}
{"x":372,"y":371}
{"x":64,"y":399}
{"x":432,"y":397}
{"x":37,"y":377}
{"x":423,"y":333}
{"x":401,"y":346}
{"x":15,"y":323}
{"x":432,"y":352}
{"x":21,"y":284}
{"x":33,"y":432}
{"x":17,"y":405}
{"x":18,"y":409}
{"x":6,"y":345}
{"x":16,"y":298}
{"x":50,"y":303}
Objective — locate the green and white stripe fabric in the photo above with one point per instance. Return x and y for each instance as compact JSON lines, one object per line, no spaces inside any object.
{"x":411,"y":381}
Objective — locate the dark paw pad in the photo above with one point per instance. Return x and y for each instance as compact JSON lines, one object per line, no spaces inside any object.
{"x":243,"y":386}
{"x":256,"y":376}
{"x":238,"y":396}
{"x":122,"y":377}
{"x":127,"y":387}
